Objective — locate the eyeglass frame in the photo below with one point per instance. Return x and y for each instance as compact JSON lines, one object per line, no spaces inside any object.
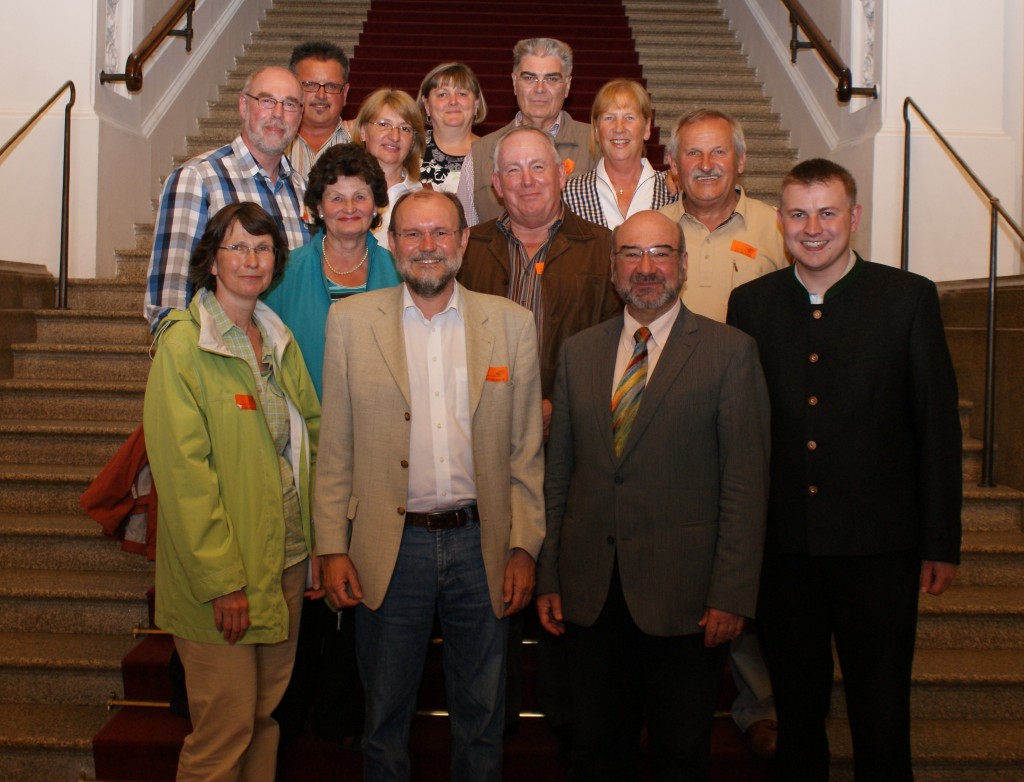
{"x":670,"y":253}
{"x":260,"y":251}
{"x":263,"y":99}
{"x":439,"y":235}
{"x":387,"y":126}
{"x":552,"y":80}
{"x":318,"y":85}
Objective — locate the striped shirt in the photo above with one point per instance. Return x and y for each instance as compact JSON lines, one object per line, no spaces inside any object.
{"x":193,"y":194}
{"x":302,"y":156}
{"x":592,"y":196}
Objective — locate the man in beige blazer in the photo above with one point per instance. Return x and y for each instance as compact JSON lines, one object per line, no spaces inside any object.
{"x":655,"y":520}
{"x":428,"y":493}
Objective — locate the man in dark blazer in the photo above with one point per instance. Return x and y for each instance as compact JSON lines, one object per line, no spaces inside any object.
{"x":864,"y":509}
{"x":655,"y":531}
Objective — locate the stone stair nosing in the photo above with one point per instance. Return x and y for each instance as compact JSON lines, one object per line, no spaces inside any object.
{"x":63,"y":542}
{"x":41,"y":488}
{"x":975,"y":616}
{"x":48,"y":399}
{"x":61,"y":442}
{"x":45,"y":743}
{"x":81,"y":361}
{"x":93,"y":326}
{"x":104,"y":294}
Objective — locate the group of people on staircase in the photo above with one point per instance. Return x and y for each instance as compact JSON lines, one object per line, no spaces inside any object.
{"x":407,"y":372}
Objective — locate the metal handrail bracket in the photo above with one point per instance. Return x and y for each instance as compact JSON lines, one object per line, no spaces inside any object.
{"x":65,"y":197}
{"x":801,"y":20}
{"x":132,"y":76}
{"x":997,"y":211}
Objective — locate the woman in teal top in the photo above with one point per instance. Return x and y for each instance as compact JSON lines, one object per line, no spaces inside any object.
{"x":346,"y":189}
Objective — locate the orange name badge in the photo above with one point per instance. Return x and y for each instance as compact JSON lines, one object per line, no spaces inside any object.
{"x":497,"y":374}
{"x":743,"y":249}
{"x":245,"y":402}
{"x":539,"y":268}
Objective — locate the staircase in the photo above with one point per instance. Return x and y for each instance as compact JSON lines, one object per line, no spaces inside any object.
{"x":69,"y":598}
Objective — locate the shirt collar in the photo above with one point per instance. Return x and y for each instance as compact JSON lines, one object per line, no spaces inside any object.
{"x":818,"y":298}
{"x":552,"y":131}
{"x":454,"y":303}
{"x":660,"y":327}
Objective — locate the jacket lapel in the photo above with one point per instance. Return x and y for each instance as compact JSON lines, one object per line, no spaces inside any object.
{"x":387,"y":330}
{"x":682,"y":341}
{"x":479,"y":347}
{"x":602,"y":379}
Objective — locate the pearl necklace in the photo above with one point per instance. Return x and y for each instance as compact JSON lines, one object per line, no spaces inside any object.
{"x":355,"y":268}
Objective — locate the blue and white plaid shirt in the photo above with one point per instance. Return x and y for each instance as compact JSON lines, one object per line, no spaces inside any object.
{"x":194,"y":193}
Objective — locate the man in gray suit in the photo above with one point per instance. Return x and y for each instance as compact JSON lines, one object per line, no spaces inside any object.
{"x":656,"y":487}
{"x":428,"y":493}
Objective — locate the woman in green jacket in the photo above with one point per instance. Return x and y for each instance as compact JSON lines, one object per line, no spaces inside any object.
{"x":231,"y":419}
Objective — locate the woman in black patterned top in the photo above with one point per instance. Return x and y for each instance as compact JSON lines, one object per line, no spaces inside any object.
{"x":623,"y":182}
{"x":451,"y":102}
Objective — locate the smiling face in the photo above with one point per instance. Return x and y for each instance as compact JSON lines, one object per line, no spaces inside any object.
{"x":817,"y":222}
{"x":241,"y":278}
{"x":529,"y":179}
{"x":648,"y":271}
{"x":426,"y":262}
{"x":540,"y":102}
{"x":347,"y":207}
{"x":451,"y":107}
{"x":390,"y":147}
{"x":268,"y":132}
{"x":622,"y":130}
{"x":706,"y":163}
{"x":322,"y":109}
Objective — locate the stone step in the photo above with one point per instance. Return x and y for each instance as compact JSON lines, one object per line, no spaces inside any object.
{"x":80,"y":361}
{"x":969,"y":616}
{"x":972,"y":460}
{"x":64,"y":442}
{"x":94,"y":326}
{"x":947,"y":750}
{"x":960,"y":684}
{"x":66,"y":668}
{"x":73,"y":601}
{"x":991,"y":558}
{"x":42,"y":488}
{"x":105,"y":294}
{"x":48,"y":742}
{"x":133,"y":263}
{"x":992,"y":508}
{"x":63,"y":542}
{"x":82,"y":399}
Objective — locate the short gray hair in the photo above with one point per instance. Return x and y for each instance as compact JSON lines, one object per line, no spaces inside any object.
{"x":524,"y":129}
{"x":543,"y":47}
{"x":699,"y":115}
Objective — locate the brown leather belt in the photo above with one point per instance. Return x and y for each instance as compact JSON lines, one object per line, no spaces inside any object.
{"x":438,"y":521}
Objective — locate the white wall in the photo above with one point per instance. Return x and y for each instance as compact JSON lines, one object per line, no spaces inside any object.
{"x":963,"y":64}
{"x":121,"y":143}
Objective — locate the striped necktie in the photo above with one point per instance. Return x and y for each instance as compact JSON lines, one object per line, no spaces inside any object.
{"x":626,"y":399}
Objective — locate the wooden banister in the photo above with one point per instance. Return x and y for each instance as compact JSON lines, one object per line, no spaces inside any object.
{"x":132,"y":76}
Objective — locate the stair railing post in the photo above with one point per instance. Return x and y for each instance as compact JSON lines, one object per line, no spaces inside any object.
{"x":988,"y":446}
{"x":62,"y":281}
{"x":905,"y":230}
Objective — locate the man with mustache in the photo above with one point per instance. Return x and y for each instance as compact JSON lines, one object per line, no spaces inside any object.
{"x":429,"y":480}
{"x":731,"y":238}
{"x":251,"y":168}
{"x":322,"y":70}
{"x":655,"y":491}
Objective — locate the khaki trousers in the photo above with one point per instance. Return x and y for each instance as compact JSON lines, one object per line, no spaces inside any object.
{"x":232,"y":691}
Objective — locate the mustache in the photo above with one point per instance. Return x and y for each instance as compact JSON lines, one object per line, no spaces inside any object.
{"x":636,"y":277}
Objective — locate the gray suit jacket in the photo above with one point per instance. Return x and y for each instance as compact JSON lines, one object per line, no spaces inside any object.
{"x":683,"y":508}
{"x":362,"y":468}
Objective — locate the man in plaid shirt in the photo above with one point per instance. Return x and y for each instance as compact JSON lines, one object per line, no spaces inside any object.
{"x":251,"y":168}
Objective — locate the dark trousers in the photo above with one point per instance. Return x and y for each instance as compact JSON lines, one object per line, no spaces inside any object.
{"x":868,"y":604}
{"x":619,"y":675}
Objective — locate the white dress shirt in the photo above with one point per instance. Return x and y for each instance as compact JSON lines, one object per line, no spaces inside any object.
{"x":660,"y":329}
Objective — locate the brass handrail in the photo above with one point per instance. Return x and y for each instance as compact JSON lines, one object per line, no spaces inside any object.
{"x":997,"y":211}
{"x":801,"y":20}
{"x":132,"y":76}
{"x":62,"y":286}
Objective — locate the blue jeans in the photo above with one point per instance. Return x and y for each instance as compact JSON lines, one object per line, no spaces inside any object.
{"x":442,"y":570}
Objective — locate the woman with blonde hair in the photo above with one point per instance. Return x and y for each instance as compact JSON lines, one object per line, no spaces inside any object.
{"x":623,"y":182}
{"x":452,"y":102}
{"x":390,"y":126}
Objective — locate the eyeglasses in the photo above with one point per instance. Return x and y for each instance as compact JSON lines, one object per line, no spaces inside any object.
{"x":549,"y":79}
{"x":330,"y":87}
{"x":263,"y":252}
{"x":266,"y":102}
{"x":661,"y":253}
{"x":387,"y":126}
{"x":439,"y":235}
